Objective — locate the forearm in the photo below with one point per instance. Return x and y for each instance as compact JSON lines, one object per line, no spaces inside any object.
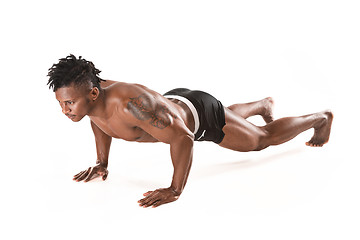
{"x":181,"y":155}
{"x":103,"y":143}
{"x":102,"y":150}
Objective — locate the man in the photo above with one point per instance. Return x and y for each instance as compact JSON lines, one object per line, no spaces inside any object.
{"x":136,"y":113}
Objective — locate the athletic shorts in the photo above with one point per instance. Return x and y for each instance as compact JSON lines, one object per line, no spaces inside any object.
{"x":208,"y":113}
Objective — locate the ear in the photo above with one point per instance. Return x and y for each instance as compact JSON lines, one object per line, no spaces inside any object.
{"x":94,"y":93}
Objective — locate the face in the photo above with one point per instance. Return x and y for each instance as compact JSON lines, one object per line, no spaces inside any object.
{"x":75,"y":102}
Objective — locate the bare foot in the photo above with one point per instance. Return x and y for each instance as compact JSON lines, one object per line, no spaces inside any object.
{"x":268,"y":104}
{"x":322,"y":132}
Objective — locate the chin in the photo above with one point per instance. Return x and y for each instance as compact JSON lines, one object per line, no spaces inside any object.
{"x":77,"y":119}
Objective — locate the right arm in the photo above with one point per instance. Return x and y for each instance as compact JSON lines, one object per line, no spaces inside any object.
{"x":103,"y":142}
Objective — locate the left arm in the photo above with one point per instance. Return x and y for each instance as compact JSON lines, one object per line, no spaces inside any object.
{"x":160,"y":121}
{"x":181,"y":150}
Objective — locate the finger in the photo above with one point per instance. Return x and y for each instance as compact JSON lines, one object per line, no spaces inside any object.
{"x":105,"y":176}
{"x":158,"y":203}
{"x":150,"y":199}
{"x":147,"y":193}
{"x":143,"y":201}
{"x":147,"y":196}
{"x":83,"y":176}
{"x":102,"y":172}
{"x":146,"y":202}
{"x":92,"y":174}
{"x":152,"y":202}
{"x":78,"y":175}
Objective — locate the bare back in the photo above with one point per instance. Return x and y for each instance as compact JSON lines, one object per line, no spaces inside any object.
{"x":125,"y":101}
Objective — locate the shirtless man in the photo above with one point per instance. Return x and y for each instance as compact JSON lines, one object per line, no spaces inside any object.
{"x":136,"y":113}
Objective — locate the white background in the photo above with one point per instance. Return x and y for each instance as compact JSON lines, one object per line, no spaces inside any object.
{"x":305,"y":54}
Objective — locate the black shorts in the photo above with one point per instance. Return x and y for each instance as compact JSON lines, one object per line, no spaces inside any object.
{"x":210,"y":112}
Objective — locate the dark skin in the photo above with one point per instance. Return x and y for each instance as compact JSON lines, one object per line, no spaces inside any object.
{"x":135,"y":113}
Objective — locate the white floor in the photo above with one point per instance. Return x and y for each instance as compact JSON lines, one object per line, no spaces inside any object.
{"x":304,"y":55}
{"x":290,"y":191}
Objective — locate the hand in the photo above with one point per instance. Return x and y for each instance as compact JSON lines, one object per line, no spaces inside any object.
{"x":158,"y":197}
{"x":91,"y":173}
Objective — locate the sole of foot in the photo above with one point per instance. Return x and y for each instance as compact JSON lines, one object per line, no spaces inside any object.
{"x":322,"y":133}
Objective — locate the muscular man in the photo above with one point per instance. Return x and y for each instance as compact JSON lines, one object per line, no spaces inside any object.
{"x":136,"y":113}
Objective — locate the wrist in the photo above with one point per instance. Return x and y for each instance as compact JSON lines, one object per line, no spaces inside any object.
{"x":176,"y":192}
{"x":103,"y":164}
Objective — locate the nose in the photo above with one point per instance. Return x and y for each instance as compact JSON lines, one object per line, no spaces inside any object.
{"x":65,"y":108}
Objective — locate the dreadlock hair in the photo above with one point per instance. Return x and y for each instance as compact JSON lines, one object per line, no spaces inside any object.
{"x":72,"y":70}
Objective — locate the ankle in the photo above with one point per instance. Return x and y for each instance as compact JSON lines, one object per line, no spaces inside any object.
{"x":321,"y":120}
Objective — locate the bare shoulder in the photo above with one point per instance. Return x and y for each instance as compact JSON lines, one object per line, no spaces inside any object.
{"x":140,"y":103}
{"x":107,"y":83}
{"x":131,"y":98}
{"x":129,"y":91}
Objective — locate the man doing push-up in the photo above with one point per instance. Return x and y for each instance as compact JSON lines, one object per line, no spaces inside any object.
{"x":179,"y":117}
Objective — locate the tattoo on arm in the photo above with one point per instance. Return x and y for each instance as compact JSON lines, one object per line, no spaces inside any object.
{"x":142,"y":109}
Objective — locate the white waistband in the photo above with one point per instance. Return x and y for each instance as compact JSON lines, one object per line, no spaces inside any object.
{"x":191,"y":107}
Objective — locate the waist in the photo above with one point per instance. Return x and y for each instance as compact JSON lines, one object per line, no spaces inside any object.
{"x":191,"y":107}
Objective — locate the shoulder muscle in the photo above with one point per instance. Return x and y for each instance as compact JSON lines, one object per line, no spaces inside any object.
{"x":145,"y":107}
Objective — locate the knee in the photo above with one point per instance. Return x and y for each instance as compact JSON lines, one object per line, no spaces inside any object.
{"x":254,"y":144}
{"x":261,"y":142}
{"x":261,"y":147}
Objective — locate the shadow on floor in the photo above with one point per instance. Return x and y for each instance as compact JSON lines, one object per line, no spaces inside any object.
{"x":221,"y":168}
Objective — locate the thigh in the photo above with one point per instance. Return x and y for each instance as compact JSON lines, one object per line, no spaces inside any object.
{"x":240,"y":135}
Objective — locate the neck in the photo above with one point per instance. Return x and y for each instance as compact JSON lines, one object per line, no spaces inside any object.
{"x":98,"y":106}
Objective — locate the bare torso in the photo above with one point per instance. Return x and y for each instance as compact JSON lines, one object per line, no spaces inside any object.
{"x":115,"y":121}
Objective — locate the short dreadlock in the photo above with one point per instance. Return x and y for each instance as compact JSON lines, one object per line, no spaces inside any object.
{"x":72,"y":70}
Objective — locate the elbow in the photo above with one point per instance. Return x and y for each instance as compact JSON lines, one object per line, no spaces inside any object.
{"x":190,"y":136}
{"x":185,"y":139}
